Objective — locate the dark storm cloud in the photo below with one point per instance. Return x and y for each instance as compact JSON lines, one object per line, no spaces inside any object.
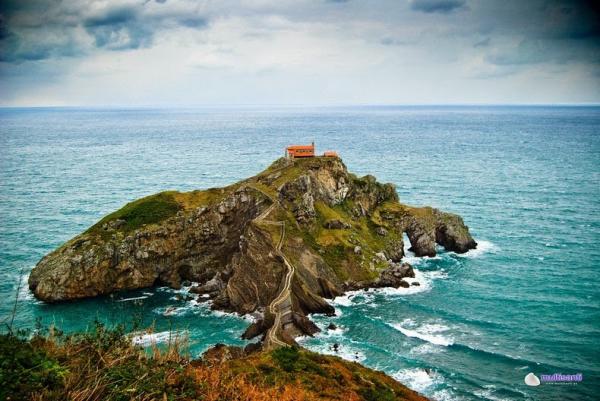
{"x":549,"y":32}
{"x":570,"y":20}
{"x":437,"y":6}
{"x":4,"y":32}
{"x":119,"y":29}
{"x":31,"y":39}
{"x":42,"y":29}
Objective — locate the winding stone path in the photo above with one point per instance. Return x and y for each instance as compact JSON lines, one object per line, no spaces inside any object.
{"x":278,"y":307}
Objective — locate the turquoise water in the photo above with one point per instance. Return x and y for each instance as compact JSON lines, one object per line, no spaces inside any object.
{"x":525,"y":179}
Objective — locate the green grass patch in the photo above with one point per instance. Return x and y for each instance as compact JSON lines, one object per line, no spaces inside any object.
{"x":194,"y":199}
{"x":291,"y":359}
{"x":149,"y":210}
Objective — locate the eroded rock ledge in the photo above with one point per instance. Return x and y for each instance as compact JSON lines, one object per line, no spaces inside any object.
{"x":341,"y":232}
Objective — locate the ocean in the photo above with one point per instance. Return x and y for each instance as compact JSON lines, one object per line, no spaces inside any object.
{"x":525,"y":179}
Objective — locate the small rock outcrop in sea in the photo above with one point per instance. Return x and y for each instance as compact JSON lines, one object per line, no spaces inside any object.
{"x":276,"y":244}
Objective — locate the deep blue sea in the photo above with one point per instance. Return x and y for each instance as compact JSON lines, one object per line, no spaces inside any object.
{"x":525,"y":179}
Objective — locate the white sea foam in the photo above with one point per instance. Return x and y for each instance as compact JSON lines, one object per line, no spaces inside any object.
{"x":483,"y":247}
{"x":197,"y":307}
{"x":352,"y":298}
{"x":410,"y":257}
{"x":328,"y":333}
{"x":488,"y":394}
{"x":360,"y":297}
{"x":445,"y":395}
{"x":25,"y":294}
{"x":146,"y":339}
{"x":344,"y":351}
{"x":424,"y":278}
{"x":132,"y":299}
{"x":344,"y":300}
{"x":418,"y":379}
{"x":426,"y":348}
{"x":338,"y":331}
{"x":182,"y":290}
{"x":220,"y":313}
{"x":429,"y":332}
{"x":190,"y":307}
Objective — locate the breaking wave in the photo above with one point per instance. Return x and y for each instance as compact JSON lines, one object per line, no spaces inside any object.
{"x":418,"y":379}
{"x":430,"y":332}
{"x":483,"y":247}
{"x":423,"y":278}
{"x":147,"y":339}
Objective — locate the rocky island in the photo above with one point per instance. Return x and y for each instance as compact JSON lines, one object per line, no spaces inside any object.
{"x":275,"y":245}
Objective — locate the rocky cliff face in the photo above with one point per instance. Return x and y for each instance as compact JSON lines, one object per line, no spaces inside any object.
{"x":308,"y":230}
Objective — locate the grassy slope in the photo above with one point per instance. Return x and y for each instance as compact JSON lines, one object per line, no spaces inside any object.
{"x":159,"y":207}
{"x":103,"y":365}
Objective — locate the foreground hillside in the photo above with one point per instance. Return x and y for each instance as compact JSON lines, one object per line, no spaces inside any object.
{"x":275,"y":245}
{"x":104,"y":365}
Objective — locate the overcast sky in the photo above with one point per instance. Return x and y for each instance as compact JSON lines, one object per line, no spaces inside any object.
{"x":319,"y":52}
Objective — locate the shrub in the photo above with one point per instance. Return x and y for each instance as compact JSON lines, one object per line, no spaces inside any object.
{"x":286,"y":358}
{"x":25,"y":369}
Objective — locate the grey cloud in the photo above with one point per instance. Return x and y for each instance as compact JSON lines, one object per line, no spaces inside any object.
{"x":510,"y":36}
{"x":194,"y":22}
{"x":33,"y":44}
{"x":437,"y":6}
{"x":535,"y":51}
{"x":113,"y":16}
{"x":4,"y":32}
{"x":389,"y":41}
{"x":40,"y":29}
{"x":483,"y":43}
{"x":126,"y":28}
{"x":564,"y":19}
{"x":118,"y":29}
{"x":535,"y":32}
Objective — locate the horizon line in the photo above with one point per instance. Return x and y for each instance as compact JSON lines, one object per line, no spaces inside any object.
{"x":293,"y":106}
